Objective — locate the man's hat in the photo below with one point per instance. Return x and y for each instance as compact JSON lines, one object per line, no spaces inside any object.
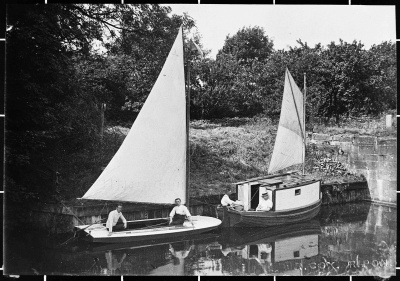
{"x":266,"y":193}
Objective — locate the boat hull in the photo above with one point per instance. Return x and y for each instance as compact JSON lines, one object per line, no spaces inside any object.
{"x":234,"y":218}
{"x":99,"y":234}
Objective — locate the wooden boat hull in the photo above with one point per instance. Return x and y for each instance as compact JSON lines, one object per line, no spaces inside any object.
{"x":99,"y":234}
{"x":234,"y":218}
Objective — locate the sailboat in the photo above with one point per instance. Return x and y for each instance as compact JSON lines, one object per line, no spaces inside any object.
{"x":151,"y":164}
{"x":295,"y":196}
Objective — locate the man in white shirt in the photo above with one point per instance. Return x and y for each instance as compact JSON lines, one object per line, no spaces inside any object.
{"x":225,"y":201}
{"x":179,"y":213}
{"x":265,"y":203}
{"x":116,"y":220}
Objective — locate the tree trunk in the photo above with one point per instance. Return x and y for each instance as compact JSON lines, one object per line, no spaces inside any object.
{"x":102,"y":109}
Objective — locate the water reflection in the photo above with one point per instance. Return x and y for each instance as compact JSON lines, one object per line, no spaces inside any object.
{"x":262,"y":251}
{"x":178,"y":255}
{"x":351,"y":239}
{"x":113,"y":265}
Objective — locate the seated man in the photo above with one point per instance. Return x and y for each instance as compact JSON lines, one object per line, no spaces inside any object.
{"x":225,"y":201}
{"x":265,"y":203}
{"x":179,"y":213}
{"x":116,"y":220}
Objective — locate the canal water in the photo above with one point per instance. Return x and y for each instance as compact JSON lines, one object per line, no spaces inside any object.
{"x":348,"y":239}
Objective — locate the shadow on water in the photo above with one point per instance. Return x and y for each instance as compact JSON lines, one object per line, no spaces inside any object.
{"x":350,"y":239}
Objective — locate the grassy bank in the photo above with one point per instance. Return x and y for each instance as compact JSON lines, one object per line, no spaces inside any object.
{"x":231,"y":150}
{"x":226,"y":151}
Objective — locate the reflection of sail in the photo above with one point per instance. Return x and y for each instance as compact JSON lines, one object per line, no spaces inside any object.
{"x":154,"y":259}
{"x":113,"y":264}
{"x":177,"y":266}
{"x":180,"y":254}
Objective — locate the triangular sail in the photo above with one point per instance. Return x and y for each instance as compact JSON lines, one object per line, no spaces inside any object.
{"x":289,"y":146}
{"x":150,"y":165}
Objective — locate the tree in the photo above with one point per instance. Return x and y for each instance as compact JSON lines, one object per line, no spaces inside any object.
{"x":139,"y":52}
{"x":44,"y":104}
{"x":248,"y":44}
{"x":345,"y":70}
{"x":382,"y":82}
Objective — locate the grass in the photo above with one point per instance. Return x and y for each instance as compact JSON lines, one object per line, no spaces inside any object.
{"x":365,"y":125}
{"x":226,"y":151}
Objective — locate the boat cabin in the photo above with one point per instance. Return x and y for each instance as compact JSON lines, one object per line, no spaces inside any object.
{"x":287,"y":191}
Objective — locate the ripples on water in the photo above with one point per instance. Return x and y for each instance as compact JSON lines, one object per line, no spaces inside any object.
{"x":350,"y":239}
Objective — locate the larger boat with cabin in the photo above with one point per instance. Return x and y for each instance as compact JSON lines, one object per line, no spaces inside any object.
{"x":295,"y":196}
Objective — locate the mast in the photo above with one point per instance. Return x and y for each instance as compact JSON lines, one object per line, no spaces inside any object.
{"x":187,"y":132}
{"x":304,"y":122}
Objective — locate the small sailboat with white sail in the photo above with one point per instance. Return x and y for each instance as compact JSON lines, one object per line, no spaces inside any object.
{"x":151,"y":164}
{"x":294,"y":196}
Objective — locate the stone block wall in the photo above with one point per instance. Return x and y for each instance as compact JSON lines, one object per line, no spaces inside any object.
{"x":55,"y":218}
{"x":374,"y":158}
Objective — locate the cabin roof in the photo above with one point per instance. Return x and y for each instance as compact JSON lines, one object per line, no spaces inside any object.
{"x":260,"y":178}
{"x":271,"y":181}
{"x":287,"y":179}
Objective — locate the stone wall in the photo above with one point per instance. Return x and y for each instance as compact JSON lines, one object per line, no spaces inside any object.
{"x":372,"y":157}
{"x":55,"y":218}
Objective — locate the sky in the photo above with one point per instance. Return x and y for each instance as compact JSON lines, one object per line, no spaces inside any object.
{"x":285,"y":24}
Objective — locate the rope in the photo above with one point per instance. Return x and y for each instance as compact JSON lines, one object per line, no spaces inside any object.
{"x":71,"y":212}
{"x":66,"y":241}
{"x":78,"y":231}
{"x":254,"y":194}
{"x":102,"y":209}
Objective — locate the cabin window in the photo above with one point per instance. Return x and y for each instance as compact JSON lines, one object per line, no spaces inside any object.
{"x":296,"y":254}
{"x":253,"y":251}
{"x":297,"y":192}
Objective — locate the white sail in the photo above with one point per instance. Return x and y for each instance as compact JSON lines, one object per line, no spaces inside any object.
{"x":150,"y":165}
{"x":289,"y":146}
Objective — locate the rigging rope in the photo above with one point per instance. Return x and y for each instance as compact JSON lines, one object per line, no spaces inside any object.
{"x":102,"y":210}
{"x":68,"y":209}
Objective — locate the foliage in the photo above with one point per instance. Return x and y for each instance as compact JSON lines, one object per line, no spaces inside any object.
{"x":44,"y":102}
{"x":247,"y":45}
{"x":138,"y":55}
